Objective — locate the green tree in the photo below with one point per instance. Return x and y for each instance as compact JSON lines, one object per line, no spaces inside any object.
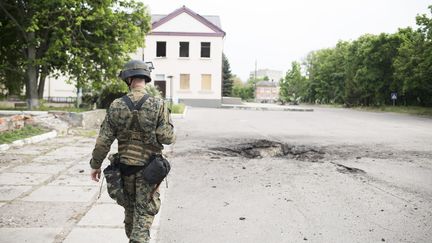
{"x":86,"y":40}
{"x":413,"y":65}
{"x":326,"y":74}
{"x":246,"y":91}
{"x":366,"y":70}
{"x":226,"y":77}
{"x":292,"y":87}
{"x":370,"y":69}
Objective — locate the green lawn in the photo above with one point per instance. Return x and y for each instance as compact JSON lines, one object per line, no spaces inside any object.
{"x":412,"y":110}
{"x":44,"y":108}
{"x":26,"y":132}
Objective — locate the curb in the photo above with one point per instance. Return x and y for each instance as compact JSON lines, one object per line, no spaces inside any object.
{"x":13,"y":112}
{"x":242,"y":107}
{"x":30,"y":140}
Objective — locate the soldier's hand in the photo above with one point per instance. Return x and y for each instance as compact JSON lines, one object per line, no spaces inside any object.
{"x":95,"y":174}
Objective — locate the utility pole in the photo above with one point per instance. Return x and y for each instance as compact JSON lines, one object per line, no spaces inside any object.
{"x":171,"y":90}
{"x":255,"y":81}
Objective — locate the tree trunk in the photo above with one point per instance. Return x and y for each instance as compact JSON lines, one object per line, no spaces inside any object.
{"x":31,"y":82}
{"x":42,"y":78}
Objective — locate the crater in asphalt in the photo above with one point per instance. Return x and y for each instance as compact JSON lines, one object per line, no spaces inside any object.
{"x":266,"y":148}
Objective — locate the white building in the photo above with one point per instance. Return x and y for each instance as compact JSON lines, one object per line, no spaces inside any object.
{"x":267,"y":91}
{"x":186,"y":51}
{"x":58,"y":89}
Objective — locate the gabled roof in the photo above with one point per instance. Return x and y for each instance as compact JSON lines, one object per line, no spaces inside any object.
{"x":211,"y":21}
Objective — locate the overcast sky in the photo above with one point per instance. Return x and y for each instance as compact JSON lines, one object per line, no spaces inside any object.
{"x":277,"y":32}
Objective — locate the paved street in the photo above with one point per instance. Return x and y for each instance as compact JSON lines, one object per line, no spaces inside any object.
{"x":332,"y":175}
{"x":363,"y":177}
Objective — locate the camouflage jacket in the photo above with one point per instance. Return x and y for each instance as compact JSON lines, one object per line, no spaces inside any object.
{"x":136,"y":142}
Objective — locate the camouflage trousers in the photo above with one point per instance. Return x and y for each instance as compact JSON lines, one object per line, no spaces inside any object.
{"x":140,"y":209}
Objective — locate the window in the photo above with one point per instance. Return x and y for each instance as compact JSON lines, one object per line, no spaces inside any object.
{"x":159,"y":77}
{"x":160,"y":49}
{"x":206,"y":82}
{"x":184,"y":49}
{"x":205,"y":49}
{"x":184,"y":81}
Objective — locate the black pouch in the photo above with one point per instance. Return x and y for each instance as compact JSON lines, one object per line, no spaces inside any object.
{"x":114,"y":180}
{"x":156,"y":170}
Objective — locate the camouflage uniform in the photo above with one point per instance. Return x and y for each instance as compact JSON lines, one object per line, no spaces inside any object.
{"x":135,"y":146}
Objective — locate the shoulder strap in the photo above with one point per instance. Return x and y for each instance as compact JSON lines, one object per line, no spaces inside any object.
{"x":128,"y":102}
{"x":134,"y":125}
{"x":131,"y":105}
{"x":141,"y":102}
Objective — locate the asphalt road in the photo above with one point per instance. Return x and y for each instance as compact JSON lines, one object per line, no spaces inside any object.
{"x":345,"y":176}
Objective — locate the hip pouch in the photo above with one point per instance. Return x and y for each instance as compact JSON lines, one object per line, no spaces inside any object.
{"x":156,"y":170}
{"x":114,"y":181}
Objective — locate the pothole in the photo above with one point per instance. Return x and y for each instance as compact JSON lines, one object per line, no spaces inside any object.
{"x":266,"y":148}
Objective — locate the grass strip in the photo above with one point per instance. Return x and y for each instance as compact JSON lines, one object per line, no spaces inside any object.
{"x":412,"y":110}
{"x":44,"y":108}
{"x":25,"y":132}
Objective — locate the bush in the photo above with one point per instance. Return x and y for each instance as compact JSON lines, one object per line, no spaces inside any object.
{"x":117,"y":90}
{"x":177,"y":108}
{"x":109,"y":93}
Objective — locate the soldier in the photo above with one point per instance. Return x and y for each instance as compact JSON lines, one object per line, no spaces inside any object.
{"x":140,"y":135}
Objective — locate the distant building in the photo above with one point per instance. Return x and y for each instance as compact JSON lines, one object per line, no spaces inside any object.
{"x":273,"y":75}
{"x":267,"y":92}
{"x":58,"y":89}
{"x":186,"y":51}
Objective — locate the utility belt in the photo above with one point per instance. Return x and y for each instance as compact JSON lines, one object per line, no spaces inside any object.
{"x":128,"y":170}
{"x":156,"y":169}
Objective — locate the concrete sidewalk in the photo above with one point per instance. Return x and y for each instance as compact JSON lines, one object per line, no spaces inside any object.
{"x":46,"y":195}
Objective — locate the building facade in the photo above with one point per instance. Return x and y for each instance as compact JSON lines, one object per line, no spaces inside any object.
{"x":267,"y":92}
{"x":186,"y":51}
{"x":273,"y":75}
{"x":59,"y":90}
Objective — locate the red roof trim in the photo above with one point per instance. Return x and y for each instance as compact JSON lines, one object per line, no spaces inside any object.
{"x":186,"y":33}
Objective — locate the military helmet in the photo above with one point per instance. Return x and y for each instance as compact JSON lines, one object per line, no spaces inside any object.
{"x":135,"y":68}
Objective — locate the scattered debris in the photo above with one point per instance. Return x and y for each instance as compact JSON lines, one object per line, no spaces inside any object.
{"x":346,"y":169}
